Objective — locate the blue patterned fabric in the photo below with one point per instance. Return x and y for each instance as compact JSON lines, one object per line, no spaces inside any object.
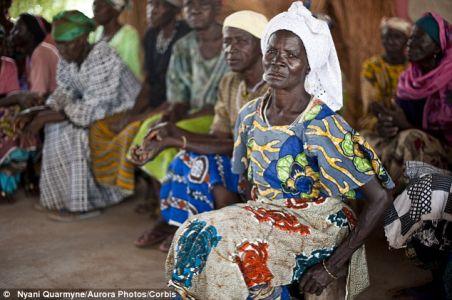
{"x":305,"y":262}
{"x":187,"y":188}
{"x":9,"y":183}
{"x":193,"y":249}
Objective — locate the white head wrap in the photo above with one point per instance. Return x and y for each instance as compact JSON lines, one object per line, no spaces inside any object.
{"x":247,"y":20}
{"x":119,"y":5}
{"x":324,"y":81}
{"x":397,"y":24}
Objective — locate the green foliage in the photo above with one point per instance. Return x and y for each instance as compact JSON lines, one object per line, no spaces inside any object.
{"x":45,"y":8}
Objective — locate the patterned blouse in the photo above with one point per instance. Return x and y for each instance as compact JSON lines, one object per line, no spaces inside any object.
{"x":191,"y":78}
{"x":318,"y":156}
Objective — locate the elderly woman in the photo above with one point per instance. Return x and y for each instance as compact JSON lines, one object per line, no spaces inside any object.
{"x":93,"y":83}
{"x":380,"y":73}
{"x":301,"y":160}
{"x":199,"y":178}
{"x":419,"y":127}
{"x":123,"y":38}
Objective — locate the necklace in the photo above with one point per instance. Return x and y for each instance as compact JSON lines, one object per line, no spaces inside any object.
{"x":163,"y":43}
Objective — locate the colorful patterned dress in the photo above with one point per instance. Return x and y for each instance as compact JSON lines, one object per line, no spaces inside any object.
{"x":296,"y":219}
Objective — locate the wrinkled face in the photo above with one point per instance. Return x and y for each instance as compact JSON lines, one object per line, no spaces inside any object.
{"x":71,"y":51}
{"x":199,"y":14}
{"x":285,"y":61}
{"x":160,"y":13}
{"x":421,"y":46}
{"x":20,"y":35}
{"x":103,"y":12}
{"x":393,"y":40}
{"x":241,"y":49}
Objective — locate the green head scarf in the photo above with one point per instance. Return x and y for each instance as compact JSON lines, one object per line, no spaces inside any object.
{"x":71,"y":24}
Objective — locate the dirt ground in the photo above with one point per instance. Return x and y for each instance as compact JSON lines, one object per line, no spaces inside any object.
{"x":36,"y":252}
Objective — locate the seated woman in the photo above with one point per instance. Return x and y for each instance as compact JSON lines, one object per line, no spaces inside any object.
{"x":28,"y":35}
{"x":301,"y":159}
{"x":93,"y":83}
{"x":110,"y":138}
{"x":196,"y":67}
{"x":8,"y":83}
{"x":420,"y":220}
{"x":123,"y":38}
{"x":380,"y":73}
{"x":419,"y":127}
{"x":199,"y":178}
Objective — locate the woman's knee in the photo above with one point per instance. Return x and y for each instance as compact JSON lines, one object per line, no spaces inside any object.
{"x":224,"y":197}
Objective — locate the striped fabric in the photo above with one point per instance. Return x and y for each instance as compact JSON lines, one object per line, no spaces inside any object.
{"x":108,"y":154}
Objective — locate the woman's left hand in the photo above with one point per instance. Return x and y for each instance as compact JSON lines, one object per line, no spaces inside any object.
{"x":315,"y":280}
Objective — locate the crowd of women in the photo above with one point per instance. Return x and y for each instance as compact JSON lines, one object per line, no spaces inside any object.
{"x":235,"y":126}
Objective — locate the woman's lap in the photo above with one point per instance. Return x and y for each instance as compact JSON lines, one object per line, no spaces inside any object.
{"x":253,"y":246}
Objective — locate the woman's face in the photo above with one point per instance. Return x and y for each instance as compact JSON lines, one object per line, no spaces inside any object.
{"x":393,"y":40}
{"x":104,"y":12}
{"x":72,"y":51}
{"x":241,"y":49}
{"x":285,"y":61}
{"x":20,"y":35}
{"x":199,"y":14}
{"x":160,"y":13}
{"x":421,"y":46}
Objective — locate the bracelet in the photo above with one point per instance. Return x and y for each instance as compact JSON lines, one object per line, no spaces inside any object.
{"x":184,"y":142}
{"x":326,"y":269}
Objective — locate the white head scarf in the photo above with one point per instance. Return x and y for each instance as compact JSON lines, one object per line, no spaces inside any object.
{"x":250,"y":21}
{"x":324,"y":81}
{"x":119,"y":5}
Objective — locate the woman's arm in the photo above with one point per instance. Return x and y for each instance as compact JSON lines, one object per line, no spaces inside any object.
{"x":377,"y":201}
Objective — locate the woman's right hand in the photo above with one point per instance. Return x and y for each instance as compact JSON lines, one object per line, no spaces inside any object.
{"x":386,"y":126}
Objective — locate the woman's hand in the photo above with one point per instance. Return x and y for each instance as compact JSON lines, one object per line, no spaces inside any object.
{"x":151,"y":149}
{"x":386,"y":127}
{"x":315,"y":280}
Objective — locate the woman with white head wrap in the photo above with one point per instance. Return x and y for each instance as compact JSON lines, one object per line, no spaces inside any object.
{"x":301,"y":160}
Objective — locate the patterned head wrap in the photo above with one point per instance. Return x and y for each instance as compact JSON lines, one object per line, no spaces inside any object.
{"x":119,"y":5}
{"x":71,"y":24}
{"x":397,"y":24}
{"x":324,"y":81}
{"x":247,"y":20}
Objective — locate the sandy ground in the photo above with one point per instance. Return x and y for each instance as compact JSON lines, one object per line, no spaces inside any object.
{"x":36,"y":252}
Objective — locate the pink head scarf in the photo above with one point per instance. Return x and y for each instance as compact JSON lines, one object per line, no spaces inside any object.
{"x":433,"y":86}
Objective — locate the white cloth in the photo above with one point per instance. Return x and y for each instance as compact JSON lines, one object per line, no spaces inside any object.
{"x":247,"y":20}
{"x":119,"y":5}
{"x":324,"y":81}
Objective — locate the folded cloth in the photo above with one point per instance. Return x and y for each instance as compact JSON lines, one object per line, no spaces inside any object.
{"x":427,"y":198}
